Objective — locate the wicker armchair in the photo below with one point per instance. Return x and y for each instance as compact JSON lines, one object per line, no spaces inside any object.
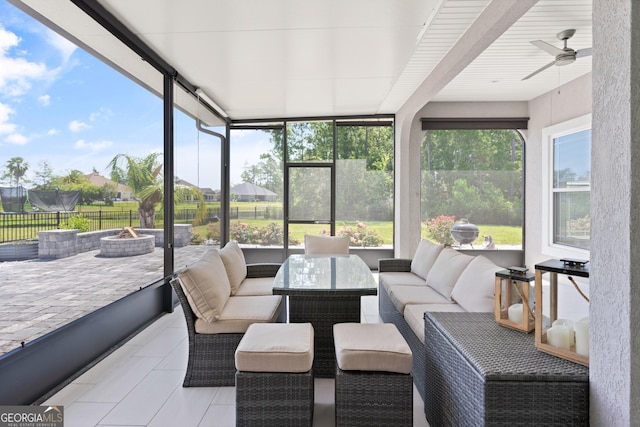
{"x":211,"y":361}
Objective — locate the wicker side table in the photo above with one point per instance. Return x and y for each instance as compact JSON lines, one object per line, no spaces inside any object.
{"x":479,"y":373}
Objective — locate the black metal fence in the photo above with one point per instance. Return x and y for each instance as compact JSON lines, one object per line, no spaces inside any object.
{"x":24,"y":226}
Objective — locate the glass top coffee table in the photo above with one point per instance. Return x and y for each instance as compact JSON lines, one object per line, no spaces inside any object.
{"x":324,"y":290}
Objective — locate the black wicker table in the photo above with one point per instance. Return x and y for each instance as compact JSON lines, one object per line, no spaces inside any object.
{"x":324,"y":290}
{"x":479,"y":373}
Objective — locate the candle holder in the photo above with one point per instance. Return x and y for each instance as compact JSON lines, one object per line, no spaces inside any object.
{"x":553,"y":340}
{"x":513,"y":305}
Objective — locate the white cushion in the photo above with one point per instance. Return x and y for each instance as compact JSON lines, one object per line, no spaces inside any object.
{"x":401,"y":295}
{"x":393,"y":278}
{"x":424,"y":258}
{"x":414,"y":315}
{"x":371,"y":347}
{"x":234,"y":264}
{"x":240,"y":312}
{"x":475,"y":288}
{"x":276,"y":347}
{"x":206,"y":286}
{"x":445,"y":271}
{"x":256,"y":286}
{"x":326,"y":245}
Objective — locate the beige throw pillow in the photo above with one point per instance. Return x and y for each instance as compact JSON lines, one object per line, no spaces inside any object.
{"x":326,"y":245}
{"x":206,"y":286}
{"x":445,"y":271}
{"x":475,"y":288}
{"x":234,"y":263}
{"x":424,"y":258}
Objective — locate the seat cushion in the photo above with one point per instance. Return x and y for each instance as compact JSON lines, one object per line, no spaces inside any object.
{"x":414,"y":315}
{"x":475,"y":288}
{"x":276,"y":347}
{"x":255,"y":286}
{"x":234,"y":264}
{"x":240,"y":312}
{"x":326,"y":245}
{"x":206,"y":286}
{"x":393,"y":278}
{"x":445,"y":271}
{"x":371,"y":347}
{"x":401,"y":295}
{"x":425,"y":256}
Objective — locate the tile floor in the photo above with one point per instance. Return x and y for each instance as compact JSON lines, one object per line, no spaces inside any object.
{"x":140,"y":384}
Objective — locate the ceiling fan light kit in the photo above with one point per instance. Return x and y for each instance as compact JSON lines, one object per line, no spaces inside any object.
{"x":564,"y":56}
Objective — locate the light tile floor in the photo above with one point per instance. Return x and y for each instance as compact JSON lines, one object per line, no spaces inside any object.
{"x":140,"y":384}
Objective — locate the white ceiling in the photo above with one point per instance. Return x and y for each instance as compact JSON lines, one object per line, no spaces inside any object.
{"x":301,"y":58}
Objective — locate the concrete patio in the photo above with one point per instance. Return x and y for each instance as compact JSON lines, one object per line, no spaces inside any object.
{"x":39,"y":296}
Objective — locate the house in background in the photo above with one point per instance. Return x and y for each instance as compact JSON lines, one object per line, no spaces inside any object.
{"x":210,"y":195}
{"x":248,"y":192}
{"x":123,"y":192}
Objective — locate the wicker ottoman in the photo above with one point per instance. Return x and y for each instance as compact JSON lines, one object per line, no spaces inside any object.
{"x":274,"y":380}
{"x":373,"y":385}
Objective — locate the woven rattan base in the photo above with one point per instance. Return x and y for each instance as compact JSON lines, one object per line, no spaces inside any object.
{"x":274,"y":399}
{"x":480,"y":373}
{"x":366,"y":398}
{"x":323,"y":311}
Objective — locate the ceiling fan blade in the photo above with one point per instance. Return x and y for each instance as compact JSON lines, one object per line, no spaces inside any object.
{"x":583,"y":52}
{"x":540,"y":69}
{"x":550,"y":49}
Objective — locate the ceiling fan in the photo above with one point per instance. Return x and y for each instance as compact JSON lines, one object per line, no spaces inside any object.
{"x":563,"y":56}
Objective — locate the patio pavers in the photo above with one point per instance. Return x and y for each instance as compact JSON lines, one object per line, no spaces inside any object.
{"x":39,"y":296}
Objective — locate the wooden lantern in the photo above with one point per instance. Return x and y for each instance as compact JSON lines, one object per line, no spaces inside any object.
{"x":512,"y":301}
{"x":570,"y":267}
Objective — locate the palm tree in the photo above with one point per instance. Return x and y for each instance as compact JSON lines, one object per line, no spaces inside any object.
{"x":16,"y":169}
{"x":143,"y":176}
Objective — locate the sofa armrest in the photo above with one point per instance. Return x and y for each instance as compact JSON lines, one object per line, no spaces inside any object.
{"x":386,"y":265}
{"x":262,"y":270}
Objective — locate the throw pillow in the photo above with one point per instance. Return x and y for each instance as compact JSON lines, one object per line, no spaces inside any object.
{"x":424,"y":258}
{"x":206,"y":286}
{"x":234,"y":263}
{"x":476,"y":286}
{"x":445,"y":271}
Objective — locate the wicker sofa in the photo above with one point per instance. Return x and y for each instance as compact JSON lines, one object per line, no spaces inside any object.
{"x":221,"y":296}
{"x":436,"y":279}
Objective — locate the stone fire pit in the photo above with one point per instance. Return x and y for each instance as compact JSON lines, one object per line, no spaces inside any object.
{"x":127,"y":244}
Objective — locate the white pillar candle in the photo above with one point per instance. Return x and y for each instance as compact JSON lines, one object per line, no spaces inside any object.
{"x":515,"y":313}
{"x":569,"y":324}
{"x":558,"y":336}
{"x":582,"y":336}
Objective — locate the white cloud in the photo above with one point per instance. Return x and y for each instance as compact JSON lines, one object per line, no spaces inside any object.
{"x":16,"y":72}
{"x":16,"y":139}
{"x":6,"y":127}
{"x":102,"y":114}
{"x":52,"y":132}
{"x":44,"y":100}
{"x":62,"y":45}
{"x":92,"y":146}
{"x":77,"y":126}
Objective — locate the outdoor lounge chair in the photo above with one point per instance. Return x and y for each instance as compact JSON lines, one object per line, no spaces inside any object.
{"x":211,"y":361}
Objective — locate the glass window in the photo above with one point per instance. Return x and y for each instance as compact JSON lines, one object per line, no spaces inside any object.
{"x":571,"y":189}
{"x":472,"y":178}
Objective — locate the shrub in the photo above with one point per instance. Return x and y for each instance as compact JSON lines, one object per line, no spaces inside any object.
{"x":196,"y":239}
{"x":79,"y":223}
{"x":270,"y":234}
{"x":360,"y":235}
{"x":439,"y":229}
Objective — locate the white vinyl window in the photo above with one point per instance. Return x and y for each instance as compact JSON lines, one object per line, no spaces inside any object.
{"x":568,"y":187}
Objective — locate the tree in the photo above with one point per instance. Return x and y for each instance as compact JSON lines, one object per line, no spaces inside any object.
{"x":44,"y":175}
{"x":143,"y":176}
{"x":16,"y":168}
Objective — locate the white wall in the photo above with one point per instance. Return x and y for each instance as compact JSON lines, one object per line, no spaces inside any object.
{"x":560,"y":105}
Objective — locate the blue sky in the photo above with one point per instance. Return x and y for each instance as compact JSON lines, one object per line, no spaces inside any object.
{"x":61,"y":105}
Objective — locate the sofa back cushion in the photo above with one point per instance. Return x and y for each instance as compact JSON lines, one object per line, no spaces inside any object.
{"x":234,"y":263}
{"x":206,"y":286}
{"x":475,"y":288}
{"x":425,"y":256}
{"x":446,"y":270}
